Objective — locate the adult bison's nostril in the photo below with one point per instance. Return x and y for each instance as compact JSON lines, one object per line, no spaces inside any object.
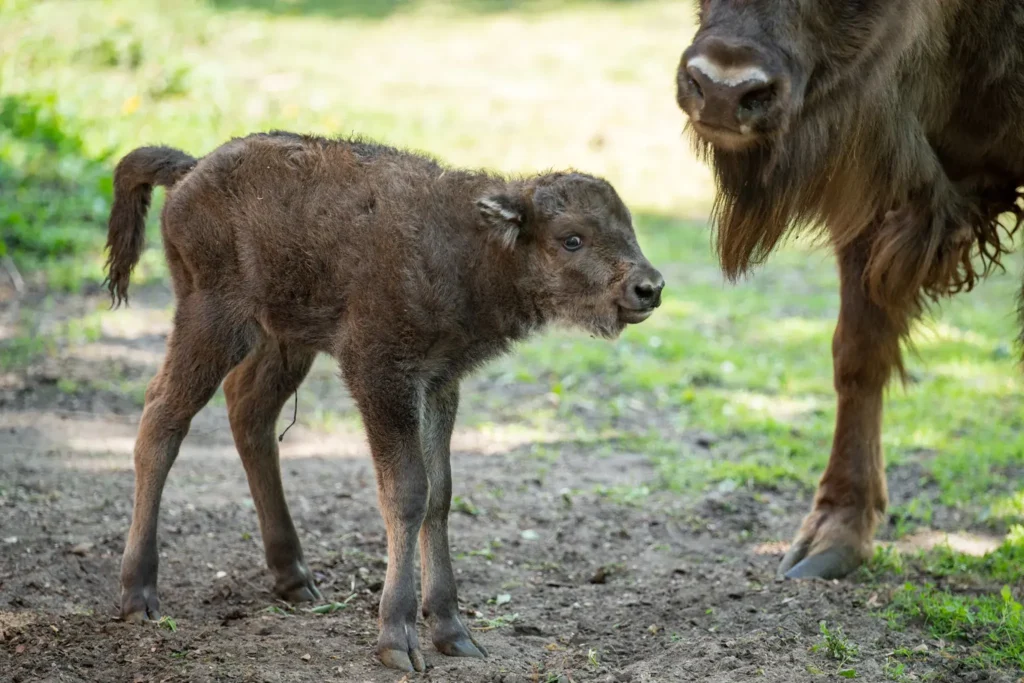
{"x":755,"y":102}
{"x":695,"y":86}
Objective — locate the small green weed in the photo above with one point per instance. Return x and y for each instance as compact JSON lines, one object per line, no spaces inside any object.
{"x":895,"y":671}
{"x":502,"y":621}
{"x":465,"y":506}
{"x":330,"y":608}
{"x":274,"y":609}
{"x":837,"y":647}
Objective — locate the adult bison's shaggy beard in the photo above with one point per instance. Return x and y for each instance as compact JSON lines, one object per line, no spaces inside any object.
{"x":924,"y":237}
{"x":895,"y":131}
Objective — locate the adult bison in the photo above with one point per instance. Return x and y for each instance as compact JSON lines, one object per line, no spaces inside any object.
{"x":897,"y":130}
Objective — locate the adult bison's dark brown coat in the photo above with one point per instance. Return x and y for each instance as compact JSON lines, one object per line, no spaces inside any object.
{"x":283,"y":246}
{"x":897,"y":129}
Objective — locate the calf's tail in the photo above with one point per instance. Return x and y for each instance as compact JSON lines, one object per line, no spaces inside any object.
{"x":134,"y":178}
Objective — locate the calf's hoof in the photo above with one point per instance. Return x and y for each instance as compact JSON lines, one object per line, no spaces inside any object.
{"x":401,"y":660}
{"x":452,"y":639}
{"x":830,"y":544}
{"x":297,"y":585}
{"x":399,"y":648}
{"x":464,"y":647}
{"x":139,"y":605}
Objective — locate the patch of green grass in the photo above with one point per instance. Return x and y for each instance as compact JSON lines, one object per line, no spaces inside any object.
{"x":20,"y":350}
{"x":31,"y":339}
{"x":1001,"y":565}
{"x":989,"y":627}
{"x":1006,"y":563}
{"x":56,"y":197}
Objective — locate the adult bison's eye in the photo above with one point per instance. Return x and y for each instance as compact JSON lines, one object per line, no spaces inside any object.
{"x":572,"y":242}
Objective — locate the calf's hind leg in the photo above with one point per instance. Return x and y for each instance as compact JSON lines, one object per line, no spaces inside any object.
{"x":440,"y":597}
{"x":202,"y":348}
{"x":256,"y":391}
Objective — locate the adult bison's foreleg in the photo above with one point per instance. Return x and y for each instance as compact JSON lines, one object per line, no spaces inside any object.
{"x":836,"y":536}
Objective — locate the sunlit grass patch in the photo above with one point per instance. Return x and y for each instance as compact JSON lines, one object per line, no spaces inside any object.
{"x":967,"y":560}
{"x":966,"y":600}
{"x":33,"y":340}
{"x":989,"y":628}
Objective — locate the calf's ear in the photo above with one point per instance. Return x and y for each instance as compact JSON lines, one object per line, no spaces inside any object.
{"x":504,"y":215}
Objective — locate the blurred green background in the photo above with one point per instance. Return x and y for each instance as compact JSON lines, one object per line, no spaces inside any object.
{"x":518,"y":86}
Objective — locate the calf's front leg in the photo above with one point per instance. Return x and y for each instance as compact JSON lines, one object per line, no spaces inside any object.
{"x":836,"y":537}
{"x":390,"y":406}
{"x":440,"y":597}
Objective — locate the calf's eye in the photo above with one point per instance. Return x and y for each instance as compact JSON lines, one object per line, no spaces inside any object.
{"x":572,"y":242}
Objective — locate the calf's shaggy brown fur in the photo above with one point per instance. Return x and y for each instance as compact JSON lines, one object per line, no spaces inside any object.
{"x":283,"y":246}
{"x":897,"y":130}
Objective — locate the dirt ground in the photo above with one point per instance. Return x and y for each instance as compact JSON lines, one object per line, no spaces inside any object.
{"x":592,"y":587}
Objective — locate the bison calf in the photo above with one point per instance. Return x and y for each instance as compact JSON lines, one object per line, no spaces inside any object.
{"x":283,"y":246}
{"x":896,"y":128}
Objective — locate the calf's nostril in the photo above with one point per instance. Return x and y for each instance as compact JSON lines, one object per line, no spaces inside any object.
{"x":645,"y":292}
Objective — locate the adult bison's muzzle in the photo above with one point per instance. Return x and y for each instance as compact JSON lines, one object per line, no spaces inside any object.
{"x":733,"y":90}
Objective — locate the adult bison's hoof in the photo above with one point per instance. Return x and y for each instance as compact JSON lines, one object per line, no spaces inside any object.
{"x":140,"y":605}
{"x":834,"y":563}
{"x":297,"y":585}
{"x":831,"y":543}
